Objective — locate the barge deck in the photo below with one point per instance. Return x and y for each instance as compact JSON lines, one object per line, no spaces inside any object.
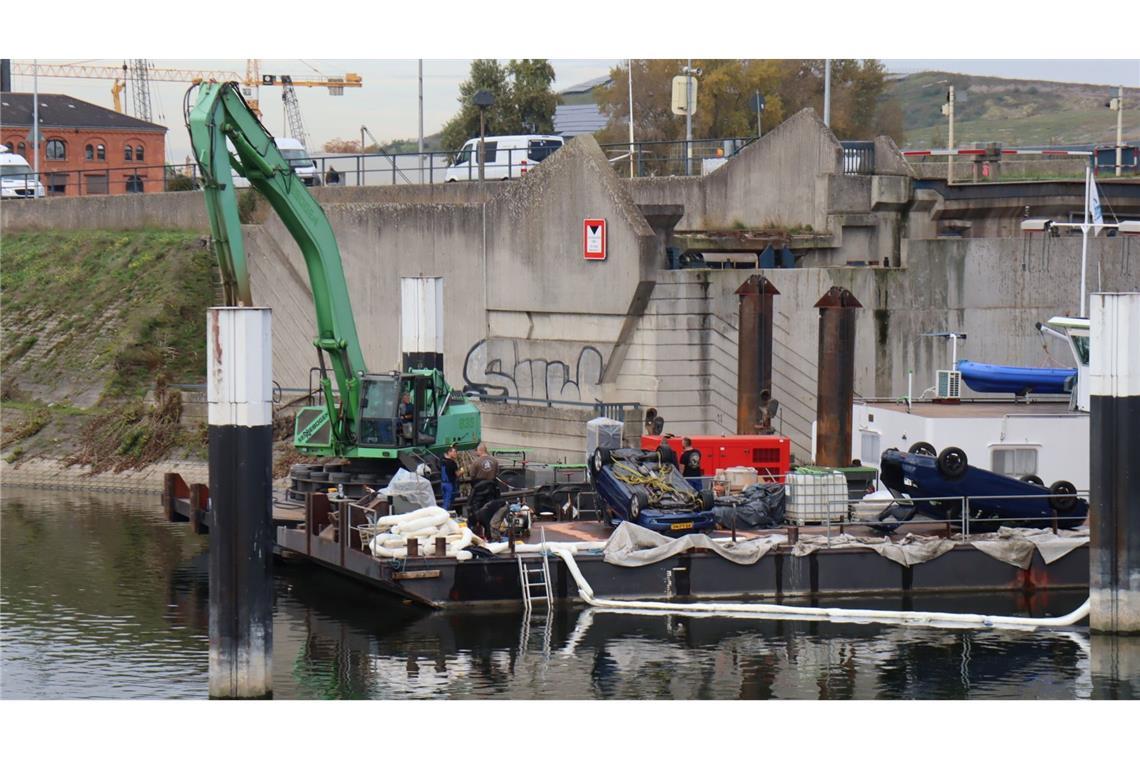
{"x":312,"y":533}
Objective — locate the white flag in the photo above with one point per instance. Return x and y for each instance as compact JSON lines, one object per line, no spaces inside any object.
{"x":1094,"y":208}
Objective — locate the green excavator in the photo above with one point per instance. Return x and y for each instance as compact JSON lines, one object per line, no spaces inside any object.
{"x":378,"y":422}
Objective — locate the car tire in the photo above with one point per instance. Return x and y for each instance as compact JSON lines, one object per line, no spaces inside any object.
{"x":1064,"y":496}
{"x":1032,"y":479}
{"x":923,"y":449}
{"x":636,"y":504}
{"x":952,"y":463}
{"x":707,"y":500}
{"x":602,"y":457}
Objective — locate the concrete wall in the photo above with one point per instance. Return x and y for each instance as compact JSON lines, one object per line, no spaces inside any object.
{"x":775,"y":181}
{"x":182,"y":211}
{"x":550,"y":434}
{"x":993,"y":290}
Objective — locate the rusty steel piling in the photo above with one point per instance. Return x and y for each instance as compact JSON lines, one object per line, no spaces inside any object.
{"x":754,"y":349}
{"x":836,"y":383}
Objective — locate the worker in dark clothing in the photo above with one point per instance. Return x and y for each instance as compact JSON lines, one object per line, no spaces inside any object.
{"x":449,"y":477}
{"x":666,"y":453}
{"x":691,"y":463}
{"x":485,"y":466}
{"x":766,"y":413}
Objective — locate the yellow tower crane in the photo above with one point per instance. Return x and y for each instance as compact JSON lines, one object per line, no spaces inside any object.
{"x":250,"y":83}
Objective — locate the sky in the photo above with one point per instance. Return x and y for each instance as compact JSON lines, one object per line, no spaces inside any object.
{"x":581,"y":40}
{"x":387,"y":103}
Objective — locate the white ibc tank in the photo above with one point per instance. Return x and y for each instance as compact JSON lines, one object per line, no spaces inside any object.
{"x":602,"y":432}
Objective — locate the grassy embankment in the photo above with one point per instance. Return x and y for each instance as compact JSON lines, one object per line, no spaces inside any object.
{"x":92,"y":322}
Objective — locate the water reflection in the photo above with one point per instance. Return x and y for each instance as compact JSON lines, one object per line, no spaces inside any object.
{"x":100,"y":597}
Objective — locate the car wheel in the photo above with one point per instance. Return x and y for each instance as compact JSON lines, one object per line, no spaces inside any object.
{"x":636,"y":503}
{"x":923,"y":449}
{"x":952,"y":463}
{"x":1064,"y":496}
{"x":707,"y":500}
{"x":602,"y":457}
{"x":1032,"y":479}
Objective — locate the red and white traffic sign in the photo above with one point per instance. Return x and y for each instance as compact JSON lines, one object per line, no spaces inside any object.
{"x":594,"y":239}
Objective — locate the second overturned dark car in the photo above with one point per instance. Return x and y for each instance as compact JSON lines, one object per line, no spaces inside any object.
{"x":939,"y":486}
{"x":635,"y":485}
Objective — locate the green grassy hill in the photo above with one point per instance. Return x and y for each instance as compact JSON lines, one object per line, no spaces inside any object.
{"x":1010,"y":111}
{"x":92,"y":320}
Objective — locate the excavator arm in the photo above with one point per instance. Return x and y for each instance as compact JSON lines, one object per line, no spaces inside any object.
{"x":220,"y":116}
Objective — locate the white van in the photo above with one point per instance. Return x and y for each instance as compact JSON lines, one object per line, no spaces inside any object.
{"x":507,"y":156}
{"x":16,"y":177}
{"x":293,"y":152}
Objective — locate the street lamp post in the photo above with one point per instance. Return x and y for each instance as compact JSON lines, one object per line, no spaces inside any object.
{"x":483,"y":100}
{"x":1117,"y":104}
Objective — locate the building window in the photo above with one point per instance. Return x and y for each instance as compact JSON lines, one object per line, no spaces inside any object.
{"x":57,"y":183}
{"x":1015,"y":462}
{"x":129,"y":153}
{"x":89,"y":152}
{"x":96,"y":184}
{"x":101,"y":152}
{"x":134,"y":183}
{"x":871,"y":445}
{"x":23,"y":150}
{"x":138,"y":153}
{"x":9,"y":147}
{"x":56,"y":150}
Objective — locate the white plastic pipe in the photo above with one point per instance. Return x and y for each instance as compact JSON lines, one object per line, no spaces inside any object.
{"x":830,"y":614}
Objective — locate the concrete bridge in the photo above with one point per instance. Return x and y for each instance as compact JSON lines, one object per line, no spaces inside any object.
{"x":527,"y":315}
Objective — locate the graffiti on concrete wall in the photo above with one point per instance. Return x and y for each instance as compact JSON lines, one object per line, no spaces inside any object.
{"x":497,"y":368}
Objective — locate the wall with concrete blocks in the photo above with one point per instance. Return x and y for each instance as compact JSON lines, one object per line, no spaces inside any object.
{"x":549,"y":434}
{"x":993,"y":290}
{"x":777,"y":180}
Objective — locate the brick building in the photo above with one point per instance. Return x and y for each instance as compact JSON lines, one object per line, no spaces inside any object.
{"x":85,"y":149}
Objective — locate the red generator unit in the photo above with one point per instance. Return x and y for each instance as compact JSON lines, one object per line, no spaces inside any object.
{"x":770,"y":455}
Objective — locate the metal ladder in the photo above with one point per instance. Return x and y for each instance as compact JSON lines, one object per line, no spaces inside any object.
{"x":528,"y":576}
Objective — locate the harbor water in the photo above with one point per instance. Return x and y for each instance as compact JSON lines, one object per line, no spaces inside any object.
{"x":101,"y":598}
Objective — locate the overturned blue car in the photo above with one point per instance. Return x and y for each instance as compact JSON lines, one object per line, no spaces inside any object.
{"x":939,"y":485}
{"x":635,"y":485}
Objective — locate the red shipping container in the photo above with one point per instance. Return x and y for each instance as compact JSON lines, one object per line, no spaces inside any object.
{"x":770,"y":455}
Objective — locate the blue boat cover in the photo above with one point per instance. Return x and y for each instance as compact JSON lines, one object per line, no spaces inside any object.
{"x":996,"y":378}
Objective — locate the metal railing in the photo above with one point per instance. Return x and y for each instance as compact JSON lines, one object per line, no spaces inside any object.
{"x":965,"y":518}
{"x":112,"y":180}
{"x":858,"y":156}
{"x":601,"y":408}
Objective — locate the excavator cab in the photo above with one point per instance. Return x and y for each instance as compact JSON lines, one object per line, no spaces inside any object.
{"x":398,"y":411}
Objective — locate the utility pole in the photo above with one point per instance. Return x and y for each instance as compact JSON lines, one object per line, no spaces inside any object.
{"x":421,"y":140}
{"x":1119,"y":128}
{"x":948,"y":110}
{"x":689,"y":118}
{"x":36,"y":120}
{"x":827,"y":92}
{"x":630,"y":64}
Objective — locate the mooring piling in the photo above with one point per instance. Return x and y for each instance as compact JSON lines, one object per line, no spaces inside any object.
{"x":1114,"y":499}
{"x":240,"y":400}
{"x":835,"y":390}
{"x":754,"y":355}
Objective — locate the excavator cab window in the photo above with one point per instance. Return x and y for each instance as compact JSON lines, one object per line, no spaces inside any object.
{"x":378,"y":411}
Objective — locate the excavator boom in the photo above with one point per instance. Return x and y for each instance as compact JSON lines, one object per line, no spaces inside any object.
{"x":221,"y":118}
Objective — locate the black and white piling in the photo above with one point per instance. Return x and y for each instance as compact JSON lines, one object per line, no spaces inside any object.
{"x":1114,"y":500}
{"x":239,"y":394}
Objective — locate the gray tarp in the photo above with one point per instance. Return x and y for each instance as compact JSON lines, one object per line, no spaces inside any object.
{"x":633,"y":546}
{"x":909,"y":551}
{"x":1015,"y":546}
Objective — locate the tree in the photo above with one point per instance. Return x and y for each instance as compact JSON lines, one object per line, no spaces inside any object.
{"x":727,"y":88}
{"x":524,"y":101}
{"x":338,"y":145}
